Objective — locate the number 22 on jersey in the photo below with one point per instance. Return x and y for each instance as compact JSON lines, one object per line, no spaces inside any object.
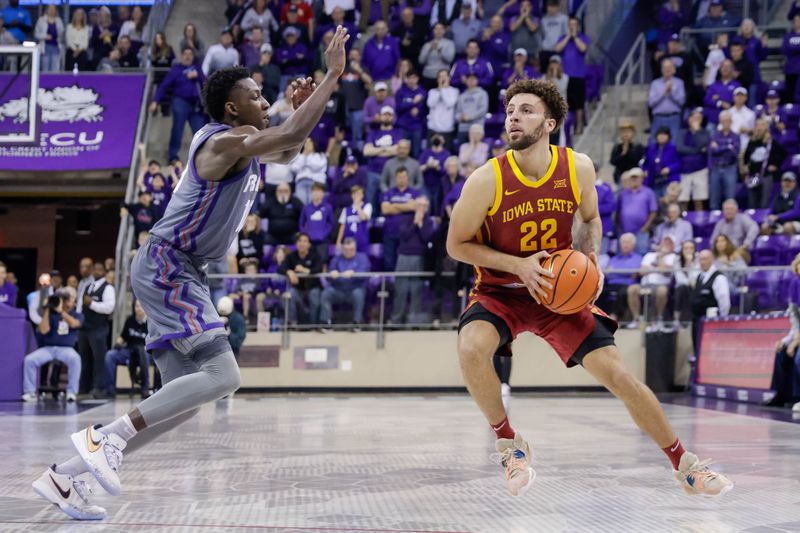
{"x":537,"y":237}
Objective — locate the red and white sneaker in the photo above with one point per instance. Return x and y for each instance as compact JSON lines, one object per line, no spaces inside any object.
{"x":68,"y":494}
{"x":696,"y":478}
{"x":516,"y":456}
{"x":102,"y":455}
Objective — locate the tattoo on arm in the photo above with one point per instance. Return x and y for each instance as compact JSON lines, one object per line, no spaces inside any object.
{"x":589,"y":236}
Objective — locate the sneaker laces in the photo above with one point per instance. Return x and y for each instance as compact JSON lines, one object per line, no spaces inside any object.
{"x":509,"y":459}
{"x":113,"y":456}
{"x":83,"y":489}
{"x":701,"y":467}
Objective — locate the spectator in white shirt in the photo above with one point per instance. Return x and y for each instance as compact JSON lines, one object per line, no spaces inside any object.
{"x":258,"y":16}
{"x":49,"y":284}
{"x":309,"y":167}
{"x":221,"y":55}
{"x":442,"y":108}
{"x":656,"y":271}
{"x":99,"y":300}
{"x":711,"y":290}
{"x":743,"y":119}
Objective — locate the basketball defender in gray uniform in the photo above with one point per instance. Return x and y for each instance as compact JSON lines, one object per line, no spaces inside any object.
{"x":185,"y":333}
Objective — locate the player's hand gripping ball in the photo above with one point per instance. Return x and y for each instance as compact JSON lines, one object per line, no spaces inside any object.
{"x":575,"y":282}
{"x":301,"y":90}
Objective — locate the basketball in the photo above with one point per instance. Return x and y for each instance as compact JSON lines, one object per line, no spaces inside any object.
{"x":574,"y":284}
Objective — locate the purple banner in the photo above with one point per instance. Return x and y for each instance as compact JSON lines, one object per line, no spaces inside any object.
{"x":86,"y":122}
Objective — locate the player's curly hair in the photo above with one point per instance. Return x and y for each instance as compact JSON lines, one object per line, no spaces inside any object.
{"x":218,"y":88}
{"x":555,"y":104}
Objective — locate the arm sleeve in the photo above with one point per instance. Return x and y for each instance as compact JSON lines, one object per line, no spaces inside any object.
{"x":791,"y":214}
{"x":722,"y":293}
{"x":169,"y":80}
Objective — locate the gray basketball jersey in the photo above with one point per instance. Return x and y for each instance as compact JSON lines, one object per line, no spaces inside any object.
{"x":204,"y":217}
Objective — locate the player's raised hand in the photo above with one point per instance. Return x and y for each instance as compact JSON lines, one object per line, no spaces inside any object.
{"x":534,"y":276}
{"x":601,"y":278}
{"x":335,"y":54}
{"x":301,"y":90}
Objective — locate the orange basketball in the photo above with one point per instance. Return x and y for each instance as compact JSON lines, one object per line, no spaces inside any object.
{"x":574,"y":284}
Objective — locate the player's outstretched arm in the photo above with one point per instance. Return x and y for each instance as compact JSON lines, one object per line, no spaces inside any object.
{"x":468,"y":216}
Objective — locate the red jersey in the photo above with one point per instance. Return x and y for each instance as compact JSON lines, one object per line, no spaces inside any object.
{"x":528,"y":216}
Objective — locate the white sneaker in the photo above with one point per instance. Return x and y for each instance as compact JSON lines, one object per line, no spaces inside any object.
{"x":515,"y":455}
{"x":71,"y":397}
{"x":68,"y":494}
{"x":29,"y":397}
{"x":796,"y":408}
{"x":102,"y":455}
{"x":505,"y":390}
{"x":632,"y":325}
{"x":696,"y":478}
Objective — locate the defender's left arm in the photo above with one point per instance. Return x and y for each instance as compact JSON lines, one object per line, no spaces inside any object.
{"x":589,"y":234}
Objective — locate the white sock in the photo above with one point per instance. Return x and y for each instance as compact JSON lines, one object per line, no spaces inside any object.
{"x":122,"y":426}
{"x":73,"y":467}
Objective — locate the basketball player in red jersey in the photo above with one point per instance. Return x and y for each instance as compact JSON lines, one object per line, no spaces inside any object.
{"x":512,"y":211}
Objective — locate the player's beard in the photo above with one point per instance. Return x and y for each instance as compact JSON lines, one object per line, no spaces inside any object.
{"x":527,"y":140}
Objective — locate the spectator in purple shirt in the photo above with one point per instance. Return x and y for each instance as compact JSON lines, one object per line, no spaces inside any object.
{"x":636,"y":208}
{"x":344,"y":288}
{"x":316,"y":219}
{"x":666,"y":99}
{"x":292,"y":57}
{"x":337,"y":19}
{"x":412,"y":111}
{"x":573,"y":47}
{"x":161,"y":194}
{"x":183,"y":81}
{"x":680,"y":229}
{"x":495,"y":41}
{"x":398,"y":206}
{"x":607,"y":203}
{"x":380,"y":147}
{"x":791,"y":49}
{"x":250,"y":51}
{"x":346,"y":177}
{"x":431,"y":162}
{"x":693,"y":152}
{"x":520,"y":70}
{"x":615,"y":290}
{"x":8,"y":291}
{"x":661,"y":162}
{"x":756,"y":50}
{"x":719,"y":95}
{"x":472,"y":64}
{"x":784,"y":213}
{"x":723,"y":158}
{"x":670,"y":20}
{"x":354,"y":220}
{"x":374,"y":104}
{"x":415,"y":232}
{"x":381,"y":53}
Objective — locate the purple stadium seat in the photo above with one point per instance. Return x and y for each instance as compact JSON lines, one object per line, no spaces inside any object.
{"x":758,"y":215}
{"x":613,"y":246}
{"x":267,"y":254}
{"x":769,"y":250}
{"x":791,"y":250}
{"x":493,"y":126}
{"x":264,"y":224}
{"x":699,"y":222}
{"x":765,"y":284}
{"x":375,"y":255}
{"x":701,"y":243}
{"x":594,"y":82}
{"x":714,"y":216}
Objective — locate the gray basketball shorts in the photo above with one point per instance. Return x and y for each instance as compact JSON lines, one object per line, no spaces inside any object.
{"x":173,"y":289}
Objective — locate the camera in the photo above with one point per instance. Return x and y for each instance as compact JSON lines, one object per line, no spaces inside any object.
{"x":53,"y":302}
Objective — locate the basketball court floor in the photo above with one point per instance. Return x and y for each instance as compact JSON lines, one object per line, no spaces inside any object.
{"x":411,"y":463}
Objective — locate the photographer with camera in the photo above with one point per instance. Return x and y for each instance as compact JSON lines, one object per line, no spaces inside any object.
{"x":59,"y":331}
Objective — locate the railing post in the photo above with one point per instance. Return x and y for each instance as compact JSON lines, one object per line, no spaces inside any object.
{"x":285,"y":332}
{"x":380,"y":341}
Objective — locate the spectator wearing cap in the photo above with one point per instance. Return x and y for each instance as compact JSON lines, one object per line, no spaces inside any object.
{"x":465,"y":28}
{"x":771,"y":112}
{"x":221,"y":55}
{"x":354,"y":219}
{"x":472,"y":106}
{"x":442,"y":102}
{"x":738,"y":227}
{"x":761,"y":161}
{"x":525,"y":30}
{"x":494,"y":42}
{"x":436,"y":55}
{"x":472,"y":64}
{"x":723,"y":153}
{"x":615,"y":289}
{"x":8,"y":291}
{"x":743,"y":118}
{"x":520,"y":70}
{"x":344,"y":288}
{"x":554,"y":24}
{"x":183,"y":83}
{"x":259,"y":16}
{"x":349,"y":175}
{"x":637,"y":207}
{"x":670,"y":20}
{"x":292,"y":57}
{"x":381,"y":145}
{"x":270,"y":74}
{"x":693,"y":154}
{"x":381,"y":53}
{"x":410,"y":32}
{"x":305,"y":15}
{"x":397,"y":206}
{"x":719,"y":95}
{"x":784,"y":213}
{"x":661,"y":162}
{"x":475,"y":150}
{"x":403,"y":159}
{"x":143,"y":212}
{"x":666,"y":99}
{"x":412,"y":110}
{"x":499,"y":147}
{"x":743,"y":68}
{"x":303,"y":27}
{"x":791,"y":50}
{"x":573,"y":46}
{"x":373,"y":106}
{"x":716,"y":17}
{"x":627,"y":153}
{"x":99,"y":301}
{"x":432,"y":166}
{"x":354,"y":85}
{"x":675,"y":225}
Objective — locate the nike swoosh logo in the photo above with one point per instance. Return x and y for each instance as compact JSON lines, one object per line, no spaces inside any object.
{"x":509,"y":193}
{"x":675,"y":448}
{"x":90,"y":443}
{"x":64,"y":494}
